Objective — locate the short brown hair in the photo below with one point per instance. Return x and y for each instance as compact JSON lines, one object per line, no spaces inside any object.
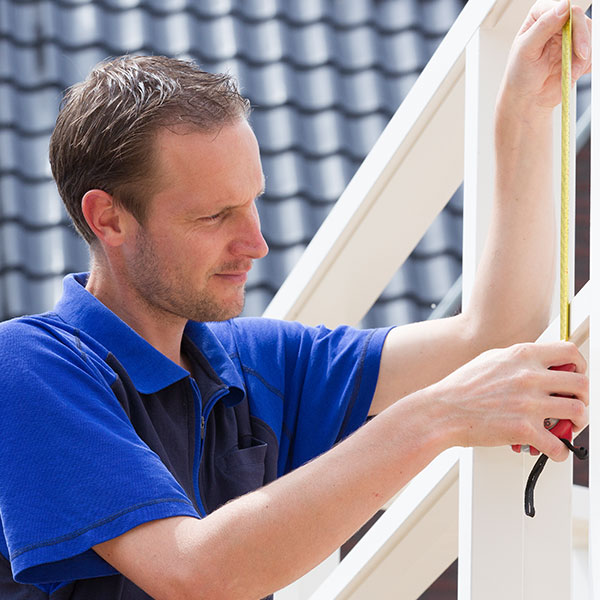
{"x":107,"y":123}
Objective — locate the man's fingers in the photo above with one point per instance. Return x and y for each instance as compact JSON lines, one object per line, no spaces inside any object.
{"x":551,"y":446}
{"x":565,"y":384}
{"x":582,"y":43}
{"x":555,"y":354}
{"x":538,"y":10}
{"x":546,"y":20}
{"x":570,"y":409}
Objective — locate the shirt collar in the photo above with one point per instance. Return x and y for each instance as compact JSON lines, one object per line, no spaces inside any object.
{"x":149,"y":369}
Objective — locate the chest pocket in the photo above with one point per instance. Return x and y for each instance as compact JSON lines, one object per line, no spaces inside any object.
{"x":242,"y":470}
{"x":239,"y":455}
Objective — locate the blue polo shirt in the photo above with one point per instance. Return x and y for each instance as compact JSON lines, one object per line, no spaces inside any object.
{"x":100,"y":432}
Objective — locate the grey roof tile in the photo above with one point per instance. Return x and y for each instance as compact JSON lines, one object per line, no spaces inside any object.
{"x":86,"y":24}
{"x":213,"y":39}
{"x":261,"y":41}
{"x":134,"y":30}
{"x":316,"y":89}
{"x":361,"y":92}
{"x":356,"y":48}
{"x":276,"y":128}
{"x":119,"y":5}
{"x":401,"y":310}
{"x":24,"y":154}
{"x":436,"y":16}
{"x":170,"y":34}
{"x":31,"y":113}
{"x":349,"y":14}
{"x":405,"y":52}
{"x":307,"y":11}
{"x":322,"y":132}
{"x":396,"y":16}
{"x":285,"y":223}
{"x":257,"y":9}
{"x":283,"y":172}
{"x":256,"y":299}
{"x":22,"y":294}
{"x":362,"y":132}
{"x":35,"y":204}
{"x":309,"y":45}
{"x":268,"y":85}
{"x":329,"y":175}
{"x":26,"y":250}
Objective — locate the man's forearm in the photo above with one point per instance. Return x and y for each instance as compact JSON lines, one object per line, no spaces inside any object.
{"x":513,"y":289}
{"x":513,"y":292}
{"x":264,"y":540}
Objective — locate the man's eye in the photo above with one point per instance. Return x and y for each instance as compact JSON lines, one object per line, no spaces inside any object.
{"x":216,"y":217}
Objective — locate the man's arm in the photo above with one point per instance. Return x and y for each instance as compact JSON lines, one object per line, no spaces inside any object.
{"x":514,"y":283}
{"x":262,"y":541}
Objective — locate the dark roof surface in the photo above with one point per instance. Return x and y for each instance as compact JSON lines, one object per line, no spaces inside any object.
{"x":324,"y":77}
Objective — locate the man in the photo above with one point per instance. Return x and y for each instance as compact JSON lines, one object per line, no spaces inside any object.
{"x":139,"y":405}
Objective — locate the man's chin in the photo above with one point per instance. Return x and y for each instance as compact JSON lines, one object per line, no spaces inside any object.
{"x":220,"y":312}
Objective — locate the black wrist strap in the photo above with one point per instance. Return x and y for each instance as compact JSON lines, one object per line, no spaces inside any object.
{"x":581,"y":453}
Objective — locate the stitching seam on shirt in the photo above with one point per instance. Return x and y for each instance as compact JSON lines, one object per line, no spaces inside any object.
{"x":104,"y":521}
{"x":356,"y":389}
{"x":263,"y":381}
{"x":80,"y":345}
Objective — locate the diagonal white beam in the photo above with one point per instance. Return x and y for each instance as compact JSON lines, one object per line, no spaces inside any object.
{"x":409,"y":175}
{"x":411,"y":544}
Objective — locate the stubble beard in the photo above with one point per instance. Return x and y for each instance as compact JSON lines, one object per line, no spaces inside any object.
{"x":169,"y":294}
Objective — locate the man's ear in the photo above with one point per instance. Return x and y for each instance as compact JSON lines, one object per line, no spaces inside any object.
{"x":105,"y":217}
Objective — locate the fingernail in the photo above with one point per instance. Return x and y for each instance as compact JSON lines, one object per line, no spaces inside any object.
{"x":562,"y":9}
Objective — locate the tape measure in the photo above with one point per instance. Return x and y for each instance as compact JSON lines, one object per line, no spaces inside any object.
{"x":565,"y":185}
{"x":563,"y":429}
{"x":565,"y":182}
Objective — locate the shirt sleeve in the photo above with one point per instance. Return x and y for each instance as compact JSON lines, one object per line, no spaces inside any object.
{"x":73,"y":472}
{"x":315,"y":384}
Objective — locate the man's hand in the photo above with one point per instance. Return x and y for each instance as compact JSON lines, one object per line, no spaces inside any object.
{"x":503,"y":396}
{"x":534,"y":65}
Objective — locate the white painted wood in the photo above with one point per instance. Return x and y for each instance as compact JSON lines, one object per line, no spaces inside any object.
{"x":547,"y":537}
{"x":491,"y":479}
{"x":490,"y":524}
{"x":580,"y":517}
{"x":580,"y":587}
{"x":594,"y":358}
{"x":486,"y":59}
{"x":409,"y":546}
{"x":544,"y":553}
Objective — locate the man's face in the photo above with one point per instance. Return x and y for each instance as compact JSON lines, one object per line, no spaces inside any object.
{"x":191,"y":256}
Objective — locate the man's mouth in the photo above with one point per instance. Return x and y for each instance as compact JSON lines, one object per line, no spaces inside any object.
{"x":239,"y":277}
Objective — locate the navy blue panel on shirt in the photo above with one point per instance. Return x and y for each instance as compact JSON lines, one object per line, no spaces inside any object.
{"x":101,"y":432}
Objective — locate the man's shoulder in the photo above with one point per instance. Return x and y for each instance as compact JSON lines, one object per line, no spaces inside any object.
{"x":29,"y":330}
{"x":252,"y":331}
{"x":46,"y":342}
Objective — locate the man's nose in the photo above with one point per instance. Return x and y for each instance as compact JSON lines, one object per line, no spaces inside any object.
{"x":251,"y":242}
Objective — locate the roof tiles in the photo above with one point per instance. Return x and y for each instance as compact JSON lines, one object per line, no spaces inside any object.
{"x":323,"y":76}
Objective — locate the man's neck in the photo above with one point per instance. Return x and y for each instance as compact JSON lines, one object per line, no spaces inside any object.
{"x":164,"y":331}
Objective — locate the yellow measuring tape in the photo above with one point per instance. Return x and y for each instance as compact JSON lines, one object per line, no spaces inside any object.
{"x":565,"y":160}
